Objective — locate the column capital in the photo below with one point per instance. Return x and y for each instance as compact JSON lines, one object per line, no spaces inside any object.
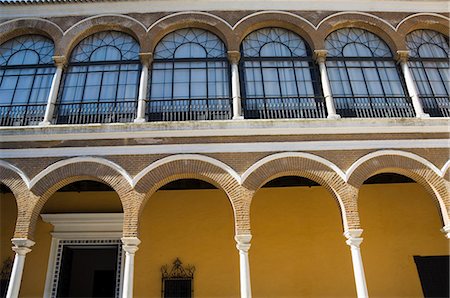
{"x":353,"y":237}
{"x":234,"y":57}
{"x":402,"y":56}
{"x":320,"y":55}
{"x":146,"y":58}
{"x":130,"y":244}
{"x":243,"y":242}
{"x":446,"y":231}
{"x":22,"y":246}
{"x":60,"y":61}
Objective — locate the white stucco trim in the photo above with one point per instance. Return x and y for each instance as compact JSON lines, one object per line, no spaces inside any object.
{"x":31,"y":18}
{"x":104,"y":15}
{"x":188,"y":12}
{"x":445,"y":168}
{"x":178,"y":157}
{"x":273,"y":11}
{"x":16,"y":170}
{"x":73,"y":160}
{"x":421,"y":14}
{"x":276,"y":156}
{"x":410,"y":155}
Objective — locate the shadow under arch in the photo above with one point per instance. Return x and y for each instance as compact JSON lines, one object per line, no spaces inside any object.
{"x":310,"y":167}
{"x":409,"y":165}
{"x":204,"y":21}
{"x":284,"y":20}
{"x":26,"y":26}
{"x":364,"y":21}
{"x":86,"y":27}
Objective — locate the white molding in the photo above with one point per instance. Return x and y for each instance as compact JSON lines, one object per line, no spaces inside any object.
{"x":31,"y":18}
{"x":273,"y":11}
{"x":68,"y":161}
{"x":276,"y":156}
{"x":410,"y":155}
{"x":445,"y":168}
{"x":188,"y":12}
{"x":357,"y":13}
{"x":217,"y":148}
{"x":16,"y":170}
{"x":177,"y":157}
{"x":421,"y":14}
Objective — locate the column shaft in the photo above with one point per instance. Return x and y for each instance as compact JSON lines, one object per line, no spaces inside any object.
{"x":21,"y":247}
{"x":130,"y":247}
{"x":326,"y":88}
{"x":143,"y":85}
{"x":243,"y":245}
{"x":54,"y":89}
{"x":354,"y":241}
{"x":234,"y":57}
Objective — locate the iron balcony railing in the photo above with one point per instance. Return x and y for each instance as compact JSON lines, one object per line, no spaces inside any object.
{"x":21,"y":115}
{"x":283,"y":107}
{"x":436,"y":106}
{"x":189,"y":109}
{"x":374,"y":106}
{"x":95,"y":112}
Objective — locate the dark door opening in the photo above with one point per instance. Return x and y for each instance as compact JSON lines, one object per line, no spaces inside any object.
{"x":434,"y":275}
{"x":88,"y":271}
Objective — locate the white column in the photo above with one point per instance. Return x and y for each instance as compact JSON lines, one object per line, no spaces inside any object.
{"x":446,"y":231}
{"x":60,"y":62}
{"x":130,"y":246}
{"x":354,"y":241}
{"x":234,"y":57}
{"x":21,"y":248}
{"x":243,"y":245}
{"x":402,"y":58}
{"x":321,"y":56}
{"x":146,"y":59}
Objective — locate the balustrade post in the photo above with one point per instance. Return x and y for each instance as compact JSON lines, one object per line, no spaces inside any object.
{"x":21,"y":248}
{"x":233,"y":58}
{"x":243,"y":245}
{"x":146,"y":59}
{"x":60,"y":62}
{"x":130,"y":246}
{"x":354,"y":241}
{"x":402,"y":58}
{"x":320,"y":56}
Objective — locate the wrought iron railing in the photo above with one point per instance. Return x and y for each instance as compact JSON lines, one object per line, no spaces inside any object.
{"x":284,"y":107}
{"x":189,"y":109}
{"x":95,"y":112}
{"x":21,"y":115}
{"x":374,"y":106}
{"x":436,"y":106}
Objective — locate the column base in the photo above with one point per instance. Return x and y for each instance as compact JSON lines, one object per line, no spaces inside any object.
{"x":44,"y":123}
{"x":423,"y":116}
{"x":334,"y":116}
{"x":139,"y":120}
{"x":238,"y":118}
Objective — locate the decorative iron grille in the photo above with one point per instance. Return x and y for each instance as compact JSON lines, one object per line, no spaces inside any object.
{"x":178,"y":282}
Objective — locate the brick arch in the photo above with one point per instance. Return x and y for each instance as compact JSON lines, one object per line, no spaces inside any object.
{"x":424,"y":21}
{"x":95,"y":24}
{"x":406,"y":164}
{"x":280,"y":19}
{"x":183,"y":20}
{"x":18,"y":27}
{"x":365,"y":21}
{"x":175,"y":169}
{"x":310,"y":167}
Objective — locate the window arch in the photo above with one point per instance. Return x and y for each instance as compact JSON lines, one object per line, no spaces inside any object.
{"x":280,"y":76}
{"x":26,"y":72}
{"x":190,"y":78}
{"x":429,"y":63}
{"x":364,"y":78}
{"x":102,"y":80}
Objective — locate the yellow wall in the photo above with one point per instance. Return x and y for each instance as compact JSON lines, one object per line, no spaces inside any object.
{"x":8,"y":215}
{"x":399,"y":221}
{"x":196,"y":226}
{"x":297,"y":247}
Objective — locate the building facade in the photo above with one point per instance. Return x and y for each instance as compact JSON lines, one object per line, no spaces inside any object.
{"x":147,"y":145}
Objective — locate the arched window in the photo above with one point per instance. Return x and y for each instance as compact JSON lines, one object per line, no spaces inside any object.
{"x":102,"y":80}
{"x":190,"y":78}
{"x":280,"y":77}
{"x":364,"y":78}
{"x":429,"y":63}
{"x":26,"y":72}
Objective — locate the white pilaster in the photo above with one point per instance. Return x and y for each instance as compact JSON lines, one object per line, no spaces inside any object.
{"x":146,"y":59}
{"x":320,"y":56}
{"x":446,"y":231}
{"x":402,"y":58}
{"x":60,"y":62}
{"x":234,"y":57}
{"x":21,"y":248}
{"x":130,"y":246}
{"x":354,"y":241}
{"x":243,"y":245}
